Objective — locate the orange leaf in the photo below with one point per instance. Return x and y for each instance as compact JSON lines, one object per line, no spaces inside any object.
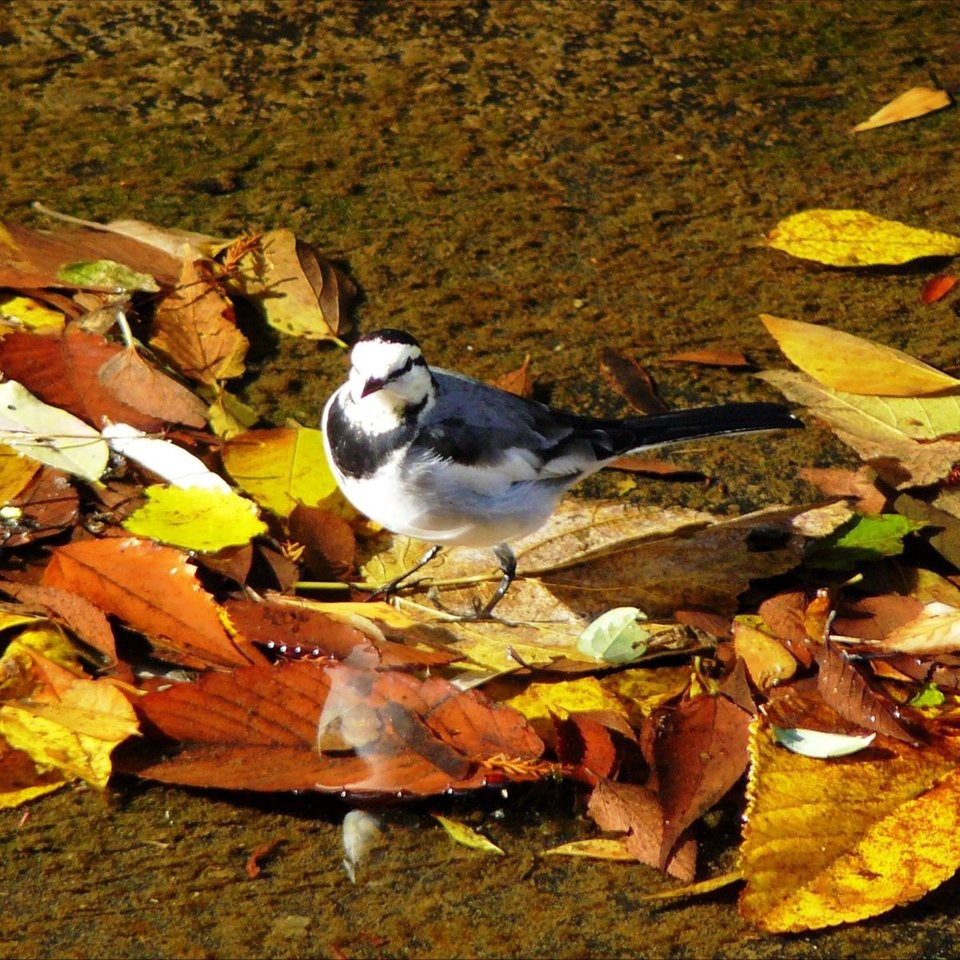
{"x":195,"y":328}
{"x":710,"y":357}
{"x":631,"y":381}
{"x":153,"y":589}
{"x":299,"y":726}
{"x":519,"y":381}
{"x":936,"y":288}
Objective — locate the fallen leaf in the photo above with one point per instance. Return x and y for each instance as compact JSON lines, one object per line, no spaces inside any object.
{"x":50,"y":435}
{"x":855,"y":238}
{"x":47,"y":505}
{"x":153,"y":589}
{"x":299,"y":292}
{"x":105,"y":275}
{"x":519,"y":381}
{"x":830,"y":842}
{"x":768,"y":661}
{"x":872,"y":618}
{"x":916,"y":102}
{"x":859,"y":486}
{"x":141,"y":386}
{"x":936,"y":288}
{"x":645,"y":689}
{"x":634,"y":810}
{"x":596,"y":848}
{"x":467,"y":836}
{"x":25,"y":313}
{"x":935,"y":631}
{"x":862,"y":540}
{"x":62,"y":370}
{"x":700,"y":752}
{"x":899,"y":460}
{"x":16,"y":472}
{"x":821,"y":745}
{"x":710,"y":357}
{"x":280,"y":467}
{"x":195,"y":328}
{"x":377,"y":733}
{"x":844,"y":362}
{"x":616,"y":636}
{"x":585,"y":747}
{"x":260,"y":852}
{"x":328,"y":540}
{"x":22,"y":779}
{"x":631,"y":381}
{"x":541,"y":700}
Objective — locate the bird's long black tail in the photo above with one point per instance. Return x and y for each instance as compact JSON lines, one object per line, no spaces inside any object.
{"x":659,"y":429}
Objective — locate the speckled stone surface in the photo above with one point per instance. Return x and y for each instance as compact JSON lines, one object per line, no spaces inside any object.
{"x":501,"y":178}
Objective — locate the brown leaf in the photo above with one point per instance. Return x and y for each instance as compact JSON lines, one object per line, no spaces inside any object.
{"x":630,"y":808}
{"x":329,"y":543}
{"x":71,"y":611}
{"x":196,"y":330}
{"x":306,"y":632}
{"x":259,"y":853}
{"x":656,"y":468}
{"x":29,"y":258}
{"x":859,"y":486}
{"x":845,"y":689}
{"x":872,"y":618}
{"x":519,"y":381}
{"x":936,"y":288}
{"x":153,"y":589}
{"x":631,"y":381}
{"x":142,"y":386}
{"x":302,"y":726}
{"x":710,"y":357}
{"x":586,"y":747}
{"x":50,"y":505}
{"x":62,"y":370}
{"x":700,"y":753}
{"x":768,"y":660}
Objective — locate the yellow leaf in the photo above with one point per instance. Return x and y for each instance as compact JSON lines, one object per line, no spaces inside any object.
{"x":196,"y":518}
{"x":280,"y":468}
{"x":539,"y":700}
{"x":830,"y":842}
{"x":597,"y":848}
{"x":914,"y":103}
{"x":22,"y":780}
{"x":228,"y":415}
{"x":645,"y":689}
{"x":30,"y":314}
{"x":16,"y":472}
{"x":768,"y":661}
{"x":849,"y":363}
{"x":696,"y":889}
{"x":467,"y":836}
{"x":855,"y":238}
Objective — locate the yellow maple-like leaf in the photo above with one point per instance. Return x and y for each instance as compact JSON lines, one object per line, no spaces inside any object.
{"x":540,"y":700}
{"x":196,"y":518}
{"x":855,"y":238}
{"x":280,"y":468}
{"x":830,"y":842}
{"x":843,"y":361}
{"x":916,"y":102}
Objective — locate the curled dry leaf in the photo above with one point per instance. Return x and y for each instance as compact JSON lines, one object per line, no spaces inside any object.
{"x":710,"y":357}
{"x":916,"y":102}
{"x":934,"y":631}
{"x":519,"y":381}
{"x":631,"y":381}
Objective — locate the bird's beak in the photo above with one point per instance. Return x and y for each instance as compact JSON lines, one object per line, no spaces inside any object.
{"x":371,"y":386}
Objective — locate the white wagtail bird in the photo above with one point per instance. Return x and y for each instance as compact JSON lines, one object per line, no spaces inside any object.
{"x":442,"y":458}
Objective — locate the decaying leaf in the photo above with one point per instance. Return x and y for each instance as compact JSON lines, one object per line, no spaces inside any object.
{"x":631,"y":381}
{"x":860,"y":485}
{"x":844,"y":362}
{"x":855,"y":238}
{"x":916,"y":102}
{"x":467,"y":836}
{"x":710,"y":357}
{"x":768,"y":661}
{"x":830,"y":842}
{"x":195,"y":329}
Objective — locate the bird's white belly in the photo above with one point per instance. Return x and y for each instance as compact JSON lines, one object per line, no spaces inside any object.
{"x":410,"y":509}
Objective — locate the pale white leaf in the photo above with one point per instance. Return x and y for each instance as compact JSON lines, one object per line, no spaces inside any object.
{"x":615,"y":636}
{"x":819,"y":744}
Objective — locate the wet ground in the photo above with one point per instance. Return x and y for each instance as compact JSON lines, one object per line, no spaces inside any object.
{"x":500,"y":178}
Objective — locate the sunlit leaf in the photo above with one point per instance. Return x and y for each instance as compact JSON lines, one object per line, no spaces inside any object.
{"x":616,"y":636}
{"x":50,"y":435}
{"x":835,"y":842}
{"x":281,"y":467}
{"x":540,"y":700}
{"x":30,"y":314}
{"x":915,"y":102}
{"x":768,"y":661}
{"x":195,"y":518}
{"x":16,"y":472}
{"x":842,"y":361}
{"x":105,"y":275}
{"x":863,"y":540}
{"x":855,"y":238}
{"x":936,"y":288}
{"x":596,"y":848}
{"x":22,"y":779}
{"x":467,"y":836}
{"x":930,"y":695}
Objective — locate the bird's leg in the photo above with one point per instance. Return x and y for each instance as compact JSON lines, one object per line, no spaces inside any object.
{"x":388,"y":588}
{"x":508,"y":564}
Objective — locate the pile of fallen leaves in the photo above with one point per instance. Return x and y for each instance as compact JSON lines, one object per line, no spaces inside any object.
{"x":160,"y":549}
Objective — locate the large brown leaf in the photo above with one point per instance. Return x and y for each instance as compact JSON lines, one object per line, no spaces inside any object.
{"x":62,"y":370}
{"x":153,"y":589}
{"x":298,"y":726}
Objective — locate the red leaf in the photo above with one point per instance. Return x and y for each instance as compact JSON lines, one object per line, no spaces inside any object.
{"x":631,"y":381}
{"x":153,"y":589}
{"x":330,"y":546}
{"x":936,"y":288}
{"x":300,"y":726}
{"x":630,"y":808}
{"x":50,"y":505}
{"x":519,"y":381}
{"x":317,"y":635}
{"x":700,"y":753}
{"x":586,"y":747}
{"x":62,"y":370}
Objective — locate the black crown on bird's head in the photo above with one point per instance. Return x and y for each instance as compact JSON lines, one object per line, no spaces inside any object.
{"x":391,"y":336}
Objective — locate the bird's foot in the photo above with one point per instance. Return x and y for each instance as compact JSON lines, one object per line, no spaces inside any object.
{"x":480,"y":614}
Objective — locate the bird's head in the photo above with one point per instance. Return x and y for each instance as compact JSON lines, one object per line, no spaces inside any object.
{"x":388,"y":370}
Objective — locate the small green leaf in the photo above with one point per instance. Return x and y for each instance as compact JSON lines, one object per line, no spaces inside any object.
{"x":106,"y":273}
{"x":861,"y":540}
{"x":196,"y":518}
{"x":615,"y":636}
{"x":930,"y":695}
{"x":467,"y":836}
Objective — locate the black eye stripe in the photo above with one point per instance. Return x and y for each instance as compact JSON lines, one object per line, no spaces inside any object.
{"x":408,"y":365}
